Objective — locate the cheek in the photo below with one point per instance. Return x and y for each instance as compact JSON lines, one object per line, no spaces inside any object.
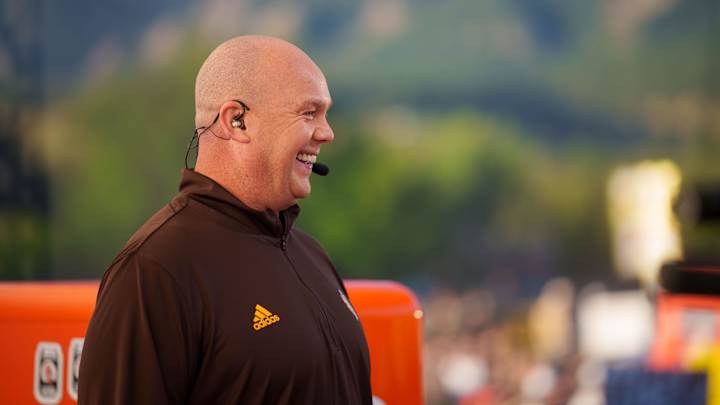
{"x":303,"y":129}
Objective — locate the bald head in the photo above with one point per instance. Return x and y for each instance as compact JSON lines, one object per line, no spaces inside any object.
{"x":250,"y":68}
{"x":265,"y":160}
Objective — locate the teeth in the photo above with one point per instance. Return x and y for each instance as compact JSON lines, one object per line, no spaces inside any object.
{"x":306,"y":157}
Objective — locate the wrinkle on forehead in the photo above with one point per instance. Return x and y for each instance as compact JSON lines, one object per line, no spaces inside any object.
{"x":253,"y":69}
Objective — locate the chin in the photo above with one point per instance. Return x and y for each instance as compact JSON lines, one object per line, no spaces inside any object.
{"x":301,"y":195}
{"x":300,"y":191}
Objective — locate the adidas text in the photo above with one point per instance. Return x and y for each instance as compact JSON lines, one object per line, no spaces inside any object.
{"x":266,"y":322}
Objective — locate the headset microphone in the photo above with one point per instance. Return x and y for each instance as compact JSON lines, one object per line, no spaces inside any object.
{"x":320,"y":169}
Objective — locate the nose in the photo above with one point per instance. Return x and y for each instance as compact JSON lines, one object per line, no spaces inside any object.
{"x":324,"y":134}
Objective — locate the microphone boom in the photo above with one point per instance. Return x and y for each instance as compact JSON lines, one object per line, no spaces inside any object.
{"x":320,"y":169}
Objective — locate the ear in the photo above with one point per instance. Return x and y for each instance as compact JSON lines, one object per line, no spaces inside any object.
{"x":233,"y":121}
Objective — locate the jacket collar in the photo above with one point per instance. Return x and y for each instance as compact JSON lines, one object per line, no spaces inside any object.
{"x":199,"y":187}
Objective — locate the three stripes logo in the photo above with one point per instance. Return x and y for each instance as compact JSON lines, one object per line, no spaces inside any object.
{"x":263,"y":317}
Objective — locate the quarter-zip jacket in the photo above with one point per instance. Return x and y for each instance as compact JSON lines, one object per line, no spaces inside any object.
{"x":211,"y":302}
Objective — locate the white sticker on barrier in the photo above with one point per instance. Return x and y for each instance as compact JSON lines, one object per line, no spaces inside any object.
{"x":73,"y":370}
{"x":47,"y":378}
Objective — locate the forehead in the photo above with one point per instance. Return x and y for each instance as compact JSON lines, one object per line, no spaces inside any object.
{"x":294,"y":79}
{"x":314,"y":94}
{"x":305,"y":87}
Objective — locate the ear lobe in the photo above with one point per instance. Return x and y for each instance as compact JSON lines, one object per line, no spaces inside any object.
{"x":240,"y":136}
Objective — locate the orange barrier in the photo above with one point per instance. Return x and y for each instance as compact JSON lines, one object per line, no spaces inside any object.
{"x":681,"y":320}
{"x":390,"y":315}
{"x":42,"y":325}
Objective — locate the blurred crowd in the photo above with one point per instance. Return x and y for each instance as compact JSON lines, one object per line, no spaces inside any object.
{"x":477,"y":352}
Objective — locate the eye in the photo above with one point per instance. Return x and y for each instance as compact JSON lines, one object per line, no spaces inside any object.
{"x":310,"y":113}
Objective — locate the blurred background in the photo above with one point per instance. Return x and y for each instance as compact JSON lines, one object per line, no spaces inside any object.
{"x":525,"y":166}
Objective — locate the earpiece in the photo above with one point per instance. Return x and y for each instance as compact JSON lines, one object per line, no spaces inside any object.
{"x":238,"y":120}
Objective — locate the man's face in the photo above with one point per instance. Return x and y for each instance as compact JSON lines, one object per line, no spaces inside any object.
{"x":294,"y":126}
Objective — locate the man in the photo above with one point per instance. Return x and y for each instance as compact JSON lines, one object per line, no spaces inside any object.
{"x":217,"y":299}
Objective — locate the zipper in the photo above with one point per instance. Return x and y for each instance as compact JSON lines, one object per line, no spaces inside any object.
{"x":326,"y":326}
{"x":325,"y":318}
{"x":284,"y":234}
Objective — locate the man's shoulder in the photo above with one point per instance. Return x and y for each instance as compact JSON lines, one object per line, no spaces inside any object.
{"x":156,"y":224}
{"x":161,"y":232}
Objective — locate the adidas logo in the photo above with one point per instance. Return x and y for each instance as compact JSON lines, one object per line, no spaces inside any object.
{"x":263,"y":317}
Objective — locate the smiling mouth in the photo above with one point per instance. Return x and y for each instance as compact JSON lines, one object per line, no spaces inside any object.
{"x":306,"y":158}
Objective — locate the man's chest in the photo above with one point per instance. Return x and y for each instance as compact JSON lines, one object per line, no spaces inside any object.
{"x":277,"y":316}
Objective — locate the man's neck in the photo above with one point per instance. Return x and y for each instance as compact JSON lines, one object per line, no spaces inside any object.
{"x":238,"y":187}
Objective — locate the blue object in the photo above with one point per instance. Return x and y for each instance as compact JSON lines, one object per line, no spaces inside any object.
{"x":642,"y":387}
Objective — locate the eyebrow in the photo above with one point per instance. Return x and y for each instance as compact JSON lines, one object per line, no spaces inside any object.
{"x":317,"y":102}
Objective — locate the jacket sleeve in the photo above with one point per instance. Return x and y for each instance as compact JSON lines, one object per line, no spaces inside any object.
{"x":141,"y":346}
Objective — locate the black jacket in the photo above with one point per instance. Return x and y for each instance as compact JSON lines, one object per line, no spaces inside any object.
{"x":211,"y":302}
